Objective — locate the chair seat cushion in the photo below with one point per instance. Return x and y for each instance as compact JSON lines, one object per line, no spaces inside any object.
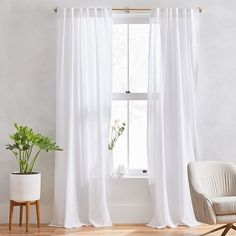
{"x":224,"y":205}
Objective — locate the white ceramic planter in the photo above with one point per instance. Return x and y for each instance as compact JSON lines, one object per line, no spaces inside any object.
{"x":25,"y":187}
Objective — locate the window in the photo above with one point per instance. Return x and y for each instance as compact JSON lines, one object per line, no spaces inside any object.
{"x":130,"y":86}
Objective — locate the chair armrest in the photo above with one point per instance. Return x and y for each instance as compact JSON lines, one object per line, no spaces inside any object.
{"x":202,"y":206}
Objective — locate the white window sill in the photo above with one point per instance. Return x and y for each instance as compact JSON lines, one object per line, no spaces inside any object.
{"x":128,"y":177}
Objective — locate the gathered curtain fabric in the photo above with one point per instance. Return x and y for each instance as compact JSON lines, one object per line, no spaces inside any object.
{"x":83,"y":117}
{"x":172,"y":136}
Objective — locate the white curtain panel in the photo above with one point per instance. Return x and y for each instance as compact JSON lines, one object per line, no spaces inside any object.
{"x":83,"y":117}
{"x":172,"y":141}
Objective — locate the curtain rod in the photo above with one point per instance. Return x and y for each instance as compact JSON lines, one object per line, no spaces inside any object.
{"x":131,"y":9}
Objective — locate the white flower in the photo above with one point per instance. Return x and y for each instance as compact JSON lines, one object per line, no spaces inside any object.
{"x":116,"y":132}
{"x":116,"y":121}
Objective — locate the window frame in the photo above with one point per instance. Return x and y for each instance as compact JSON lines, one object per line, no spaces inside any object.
{"x":127,"y":95}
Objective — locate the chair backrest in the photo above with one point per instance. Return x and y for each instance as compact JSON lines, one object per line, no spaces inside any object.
{"x":213,"y":178}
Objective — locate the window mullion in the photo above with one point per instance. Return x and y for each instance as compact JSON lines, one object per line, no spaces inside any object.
{"x":128,"y":58}
{"x":128,"y":131}
{"x":128,"y":105}
{"x":129,"y":96}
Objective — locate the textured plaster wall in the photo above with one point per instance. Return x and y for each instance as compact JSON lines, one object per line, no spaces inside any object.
{"x":27,"y":90}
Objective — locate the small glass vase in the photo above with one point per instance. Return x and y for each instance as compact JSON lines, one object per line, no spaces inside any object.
{"x":121,"y":171}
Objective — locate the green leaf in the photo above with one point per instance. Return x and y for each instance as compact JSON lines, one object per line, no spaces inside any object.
{"x":24,"y":141}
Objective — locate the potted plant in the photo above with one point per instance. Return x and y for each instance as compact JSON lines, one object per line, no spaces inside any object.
{"x":117,"y":130}
{"x":25,"y":185}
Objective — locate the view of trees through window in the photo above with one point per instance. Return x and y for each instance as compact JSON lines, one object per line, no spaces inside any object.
{"x":130,"y":86}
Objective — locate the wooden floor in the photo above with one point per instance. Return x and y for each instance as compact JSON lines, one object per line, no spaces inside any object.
{"x":117,"y":230}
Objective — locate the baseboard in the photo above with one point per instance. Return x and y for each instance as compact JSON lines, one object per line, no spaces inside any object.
{"x":120,"y":213}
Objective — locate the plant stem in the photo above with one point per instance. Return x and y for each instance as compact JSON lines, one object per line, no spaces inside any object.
{"x":20,"y":161}
{"x":29,"y":154}
{"x":33,"y":161}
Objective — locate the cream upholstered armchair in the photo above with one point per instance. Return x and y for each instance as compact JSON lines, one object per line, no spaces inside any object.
{"x":213,"y":192}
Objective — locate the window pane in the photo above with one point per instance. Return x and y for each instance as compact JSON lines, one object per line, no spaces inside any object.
{"x":138,"y":57}
{"x":120,"y":64}
{"x":131,"y":148}
{"x":119,"y":112}
{"x":138,"y":135}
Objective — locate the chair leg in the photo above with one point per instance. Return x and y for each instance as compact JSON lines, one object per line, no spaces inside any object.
{"x":233,"y":227}
{"x":11,"y":214}
{"x":228,"y":227}
{"x":27,"y":215}
{"x":21,"y":215}
{"x":38,"y":213}
{"x":214,"y":230}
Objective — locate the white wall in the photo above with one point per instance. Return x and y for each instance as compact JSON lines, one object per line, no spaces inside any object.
{"x":27,"y":90}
